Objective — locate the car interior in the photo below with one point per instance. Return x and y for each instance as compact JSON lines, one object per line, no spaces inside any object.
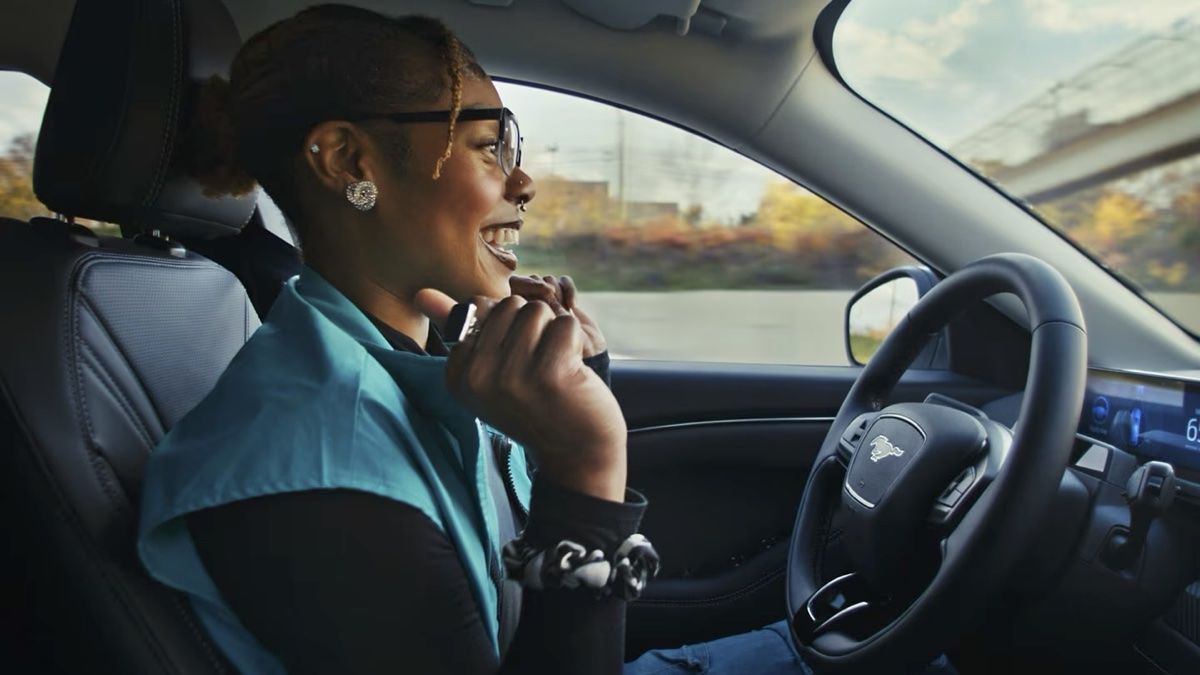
{"x":772,"y":494}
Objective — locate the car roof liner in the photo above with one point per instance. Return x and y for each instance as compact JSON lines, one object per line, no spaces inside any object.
{"x":743,"y":18}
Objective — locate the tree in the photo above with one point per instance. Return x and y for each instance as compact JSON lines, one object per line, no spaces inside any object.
{"x":16,"y":181}
{"x":1112,"y":225}
{"x":797,"y":218}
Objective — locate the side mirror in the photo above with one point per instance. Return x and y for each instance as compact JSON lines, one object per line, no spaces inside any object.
{"x":876,"y":308}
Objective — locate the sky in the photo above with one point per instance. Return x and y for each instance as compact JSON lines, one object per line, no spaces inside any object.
{"x":948,"y":67}
{"x":944,"y":67}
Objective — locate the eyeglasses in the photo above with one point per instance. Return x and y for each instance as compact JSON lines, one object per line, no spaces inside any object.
{"x":509,"y":146}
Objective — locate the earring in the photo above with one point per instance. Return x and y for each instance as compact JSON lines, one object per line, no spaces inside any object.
{"x":361,"y":195}
{"x":314,"y":148}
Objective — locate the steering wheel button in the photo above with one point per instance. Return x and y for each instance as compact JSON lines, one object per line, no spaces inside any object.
{"x":950,"y":498}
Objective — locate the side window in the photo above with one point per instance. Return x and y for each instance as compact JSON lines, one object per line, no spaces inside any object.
{"x":684,"y":249}
{"x":22,"y":101}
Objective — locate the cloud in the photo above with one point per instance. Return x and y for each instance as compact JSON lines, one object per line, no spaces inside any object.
{"x":915,"y":52}
{"x":1079,"y":16}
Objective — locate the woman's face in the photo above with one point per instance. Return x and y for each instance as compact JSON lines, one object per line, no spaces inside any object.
{"x":449,"y":233}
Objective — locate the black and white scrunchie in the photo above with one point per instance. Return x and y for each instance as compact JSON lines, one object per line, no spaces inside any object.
{"x":570,"y":565}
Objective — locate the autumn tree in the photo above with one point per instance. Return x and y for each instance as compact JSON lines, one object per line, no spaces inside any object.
{"x":1112,"y":226}
{"x":16,"y":181}
{"x":797,"y":218}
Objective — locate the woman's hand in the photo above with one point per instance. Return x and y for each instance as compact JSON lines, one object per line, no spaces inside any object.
{"x":560,"y":293}
{"x":522,"y":372}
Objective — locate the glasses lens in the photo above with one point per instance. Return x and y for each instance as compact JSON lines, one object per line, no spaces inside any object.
{"x":510,"y":151}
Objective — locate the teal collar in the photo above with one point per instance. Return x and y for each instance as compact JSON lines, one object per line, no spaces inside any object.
{"x":336,"y":307}
{"x":412,"y":372}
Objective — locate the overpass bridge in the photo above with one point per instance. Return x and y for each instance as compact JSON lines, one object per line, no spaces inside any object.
{"x":1135,"y":109}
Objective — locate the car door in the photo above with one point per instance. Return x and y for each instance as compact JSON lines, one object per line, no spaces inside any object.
{"x":722,"y":452}
{"x":721,"y":288}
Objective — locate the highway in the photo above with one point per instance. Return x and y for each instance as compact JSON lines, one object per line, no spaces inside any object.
{"x":799,"y":327}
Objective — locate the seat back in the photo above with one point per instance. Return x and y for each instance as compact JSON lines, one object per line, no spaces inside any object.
{"x":110,"y":341}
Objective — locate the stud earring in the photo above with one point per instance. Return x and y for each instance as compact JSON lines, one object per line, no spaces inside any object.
{"x":314,"y":148}
{"x":361,"y":195}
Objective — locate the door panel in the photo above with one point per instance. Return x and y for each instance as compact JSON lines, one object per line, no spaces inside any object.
{"x":722,"y":453}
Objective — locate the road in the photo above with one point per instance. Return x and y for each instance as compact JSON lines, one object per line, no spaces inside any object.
{"x":730,"y":326}
{"x":801,"y":327}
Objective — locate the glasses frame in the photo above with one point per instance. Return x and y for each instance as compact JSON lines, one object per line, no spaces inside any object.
{"x":501,"y":115}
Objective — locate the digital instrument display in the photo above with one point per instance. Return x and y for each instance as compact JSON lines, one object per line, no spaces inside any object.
{"x":1148,"y":415}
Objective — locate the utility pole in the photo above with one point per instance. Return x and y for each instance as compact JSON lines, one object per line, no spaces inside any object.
{"x":621,"y":164}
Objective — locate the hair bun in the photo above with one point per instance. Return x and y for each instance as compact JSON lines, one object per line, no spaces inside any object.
{"x":209,"y":145}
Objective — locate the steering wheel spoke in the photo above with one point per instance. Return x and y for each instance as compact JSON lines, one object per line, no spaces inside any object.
{"x":960,"y":495}
{"x":852,"y":437}
{"x":831,"y":607}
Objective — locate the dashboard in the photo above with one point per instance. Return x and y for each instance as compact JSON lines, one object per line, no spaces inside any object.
{"x":1152,"y":416}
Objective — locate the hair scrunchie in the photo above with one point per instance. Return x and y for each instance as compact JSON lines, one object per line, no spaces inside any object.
{"x":570,"y":565}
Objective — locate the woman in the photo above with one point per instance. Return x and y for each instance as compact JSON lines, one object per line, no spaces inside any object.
{"x":335,"y":504}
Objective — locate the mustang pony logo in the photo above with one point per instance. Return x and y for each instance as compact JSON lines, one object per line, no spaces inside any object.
{"x":881,"y":447}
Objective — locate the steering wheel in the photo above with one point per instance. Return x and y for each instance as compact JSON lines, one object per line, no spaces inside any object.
{"x":914,"y":513}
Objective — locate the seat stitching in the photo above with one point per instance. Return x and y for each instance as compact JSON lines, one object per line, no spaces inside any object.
{"x":87,"y":304}
{"x":75,"y":293}
{"x":172,"y":117}
{"x":122,"y":399}
{"x":103,"y":476}
{"x":67,"y":511}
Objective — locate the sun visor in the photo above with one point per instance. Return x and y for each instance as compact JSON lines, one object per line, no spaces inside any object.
{"x":637,"y":13}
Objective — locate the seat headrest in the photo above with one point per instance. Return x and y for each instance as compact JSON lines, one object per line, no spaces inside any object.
{"x":122,"y":93}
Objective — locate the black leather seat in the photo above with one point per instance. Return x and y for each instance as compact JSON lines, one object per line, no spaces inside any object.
{"x":110,"y":341}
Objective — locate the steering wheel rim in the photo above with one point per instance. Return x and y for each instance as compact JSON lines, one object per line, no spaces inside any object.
{"x":979,"y":552}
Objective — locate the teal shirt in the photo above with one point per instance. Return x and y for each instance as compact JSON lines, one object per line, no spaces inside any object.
{"x":317,"y":399}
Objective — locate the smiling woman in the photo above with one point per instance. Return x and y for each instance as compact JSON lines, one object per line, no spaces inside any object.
{"x":383,"y":476}
{"x":1099,"y":116}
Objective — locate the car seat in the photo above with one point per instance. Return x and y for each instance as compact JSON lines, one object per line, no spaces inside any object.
{"x":109,"y":341}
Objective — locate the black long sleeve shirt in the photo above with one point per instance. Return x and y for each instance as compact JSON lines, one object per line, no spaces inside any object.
{"x":350,"y":582}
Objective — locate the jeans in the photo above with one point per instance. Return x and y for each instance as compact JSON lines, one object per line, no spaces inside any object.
{"x":766,"y":651}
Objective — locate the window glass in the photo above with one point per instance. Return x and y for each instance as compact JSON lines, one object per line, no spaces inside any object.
{"x":22,"y":100}
{"x":686,"y":250}
{"x":1089,"y":110}
{"x":273,"y":219}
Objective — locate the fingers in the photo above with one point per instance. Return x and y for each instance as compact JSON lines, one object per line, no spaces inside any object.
{"x":523,"y":335}
{"x":584,"y":318}
{"x":463,"y":354}
{"x":494,"y":324}
{"x":561,"y":344}
{"x":534,"y":288}
{"x":569,"y":292}
{"x":434,"y":304}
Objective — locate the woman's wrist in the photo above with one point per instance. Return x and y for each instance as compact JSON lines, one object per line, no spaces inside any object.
{"x":557,"y":512}
{"x":603,"y":479}
{"x":574,"y":540}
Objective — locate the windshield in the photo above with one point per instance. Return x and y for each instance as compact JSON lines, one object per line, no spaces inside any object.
{"x":1088,"y":110}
